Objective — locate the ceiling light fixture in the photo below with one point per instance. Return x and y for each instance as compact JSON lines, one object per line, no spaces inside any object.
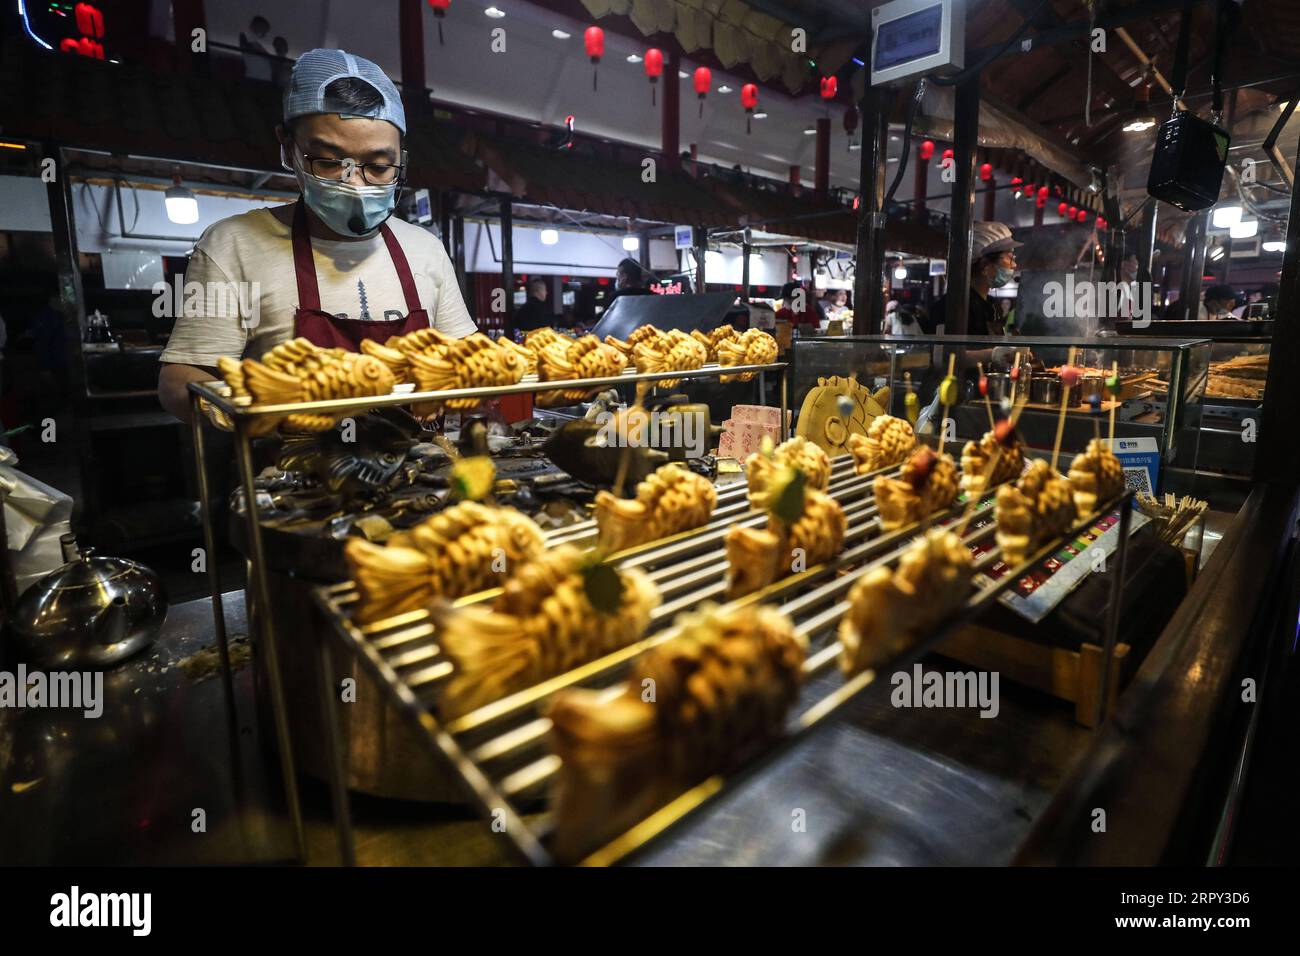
{"x":494,"y":13}
{"x":550,"y":237}
{"x":760,"y":115}
{"x":560,"y":34}
{"x":1139,"y":125}
{"x":724,"y":88}
{"x":1225,"y":217}
{"x":633,"y":58}
{"x":1275,"y":245}
{"x":900,"y":273}
{"x":181,"y":203}
{"x":1246,"y":229}
{"x":631,"y":243}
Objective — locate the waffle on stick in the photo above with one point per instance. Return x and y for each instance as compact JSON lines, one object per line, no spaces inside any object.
{"x":671,"y":499}
{"x":712,"y":339}
{"x":891,"y":609}
{"x":752,"y":347}
{"x":888,"y":441}
{"x":541,"y":625}
{"x":1036,"y":509}
{"x":759,"y":557}
{"x":1096,"y":476}
{"x":526,"y":355}
{"x":797,"y":452}
{"x":976,"y":457}
{"x":466,"y":548}
{"x":641,"y":334}
{"x":928,"y":483}
{"x":698,"y":704}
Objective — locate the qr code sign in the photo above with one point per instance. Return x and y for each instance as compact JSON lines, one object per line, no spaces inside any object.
{"x":1138,"y":480}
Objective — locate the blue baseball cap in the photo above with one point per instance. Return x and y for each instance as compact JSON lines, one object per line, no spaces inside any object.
{"x":317,"y":69}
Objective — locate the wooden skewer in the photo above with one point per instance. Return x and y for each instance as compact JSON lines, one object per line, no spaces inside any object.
{"x":943,"y":423}
{"x":988,"y":402}
{"x":1015,"y":378}
{"x":1060,"y":421}
{"x":1114,"y":371}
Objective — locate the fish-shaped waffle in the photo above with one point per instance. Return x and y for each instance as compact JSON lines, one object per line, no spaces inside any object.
{"x":671,"y":499}
{"x":888,"y":441}
{"x":673,"y":351}
{"x":890,"y":609}
{"x":797,"y":452}
{"x":700,"y":703}
{"x":1096,"y":476}
{"x":757,"y":557}
{"x":1036,"y":509}
{"x":588,"y":357}
{"x":976,"y":458}
{"x":753,"y":347}
{"x":472,"y":362}
{"x":928,"y":483}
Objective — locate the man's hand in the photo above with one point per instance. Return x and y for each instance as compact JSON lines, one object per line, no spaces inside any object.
{"x":173,"y":394}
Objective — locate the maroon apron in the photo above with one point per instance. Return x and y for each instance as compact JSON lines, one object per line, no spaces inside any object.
{"x":322,"y":329}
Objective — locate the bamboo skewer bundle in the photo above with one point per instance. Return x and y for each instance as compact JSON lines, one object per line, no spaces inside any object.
{"x":891,"y":609}
{"x":671,"y":499}
{"x":1171,"y":516}
{"x":697,"y":704}
{"x":467,"y":548}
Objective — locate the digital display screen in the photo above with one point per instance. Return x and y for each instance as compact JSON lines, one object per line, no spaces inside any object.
{"x":909,"y":38}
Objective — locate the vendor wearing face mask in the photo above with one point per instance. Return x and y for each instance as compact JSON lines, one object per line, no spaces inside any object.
{"x":331,"y":267}
{"x":993,"y":265}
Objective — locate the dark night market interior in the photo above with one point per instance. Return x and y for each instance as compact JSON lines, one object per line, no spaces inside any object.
{"x":697,"y":433}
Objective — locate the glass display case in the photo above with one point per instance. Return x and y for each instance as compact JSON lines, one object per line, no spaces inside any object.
{"x":1157,"y":413}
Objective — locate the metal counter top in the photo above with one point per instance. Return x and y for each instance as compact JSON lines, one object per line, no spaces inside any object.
{"x":884,"y":787}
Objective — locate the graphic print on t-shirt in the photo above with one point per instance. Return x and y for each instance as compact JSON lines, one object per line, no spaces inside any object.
{"x":365,"y":306}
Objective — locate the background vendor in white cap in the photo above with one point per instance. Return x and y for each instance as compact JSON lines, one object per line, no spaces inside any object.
{"x":993,"y":265}
{"x":332,"y":267}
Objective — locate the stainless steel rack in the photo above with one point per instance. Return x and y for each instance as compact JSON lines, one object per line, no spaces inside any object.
{"x":498,"y":751}
{"x":241,"y":414}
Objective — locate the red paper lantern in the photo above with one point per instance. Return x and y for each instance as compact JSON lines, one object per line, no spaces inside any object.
{"x":1042,"y":195}
{"x":1101,"y":223}
{"x":1016,"y":181}
{"x":1083,"y":215}
{"x":594,"y":40}
{"x":1071,"y":212}
{"x":1031,"y":191}
{"x":830,"y":86}
{"x":986,"y":172}
{"x":1040,"y":202}
{"x":89,"y":21}
{"x":654,"y":68}
{"x":926,"y":150}
{"x":749,"y":100}
{"x":1060,"y":210}
{"x":703,"y":81}
{"x":68,"y":45}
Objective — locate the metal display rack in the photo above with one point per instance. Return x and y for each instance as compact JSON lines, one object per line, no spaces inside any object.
{"x":498,"y":753}
{"x":241,"y":414}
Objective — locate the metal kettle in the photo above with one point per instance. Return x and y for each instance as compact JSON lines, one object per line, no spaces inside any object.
{"x":92,"y":612}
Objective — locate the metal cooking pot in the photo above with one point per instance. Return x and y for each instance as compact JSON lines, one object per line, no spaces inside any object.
{"x":92,"y":612}
{"x":999,"y":385}
{"x":1045,"y":390}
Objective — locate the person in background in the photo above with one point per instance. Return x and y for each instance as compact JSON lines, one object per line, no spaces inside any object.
{"x":282,"y":69}
{"x":536,"y":312}
{"x":630,"y":279}
{"x":1240,"y":311}
{"x":1219,"y":302}
{"x":993,"y":265}
{"x":798,"y":307}
{"x":257,"y":65}
{"x":903,"y":321}
{"x":836,"y":303}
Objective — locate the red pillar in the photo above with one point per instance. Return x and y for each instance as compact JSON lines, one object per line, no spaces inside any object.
{"x":822,"y":171}
{"x":187,"y":16}
{"x":410,"y":39}
{"x":672,"y":137}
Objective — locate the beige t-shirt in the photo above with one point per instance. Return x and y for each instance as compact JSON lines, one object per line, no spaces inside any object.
{"x":240,"y":289}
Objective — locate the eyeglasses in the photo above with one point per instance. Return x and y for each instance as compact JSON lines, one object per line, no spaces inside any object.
{"x":374,"y":174}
